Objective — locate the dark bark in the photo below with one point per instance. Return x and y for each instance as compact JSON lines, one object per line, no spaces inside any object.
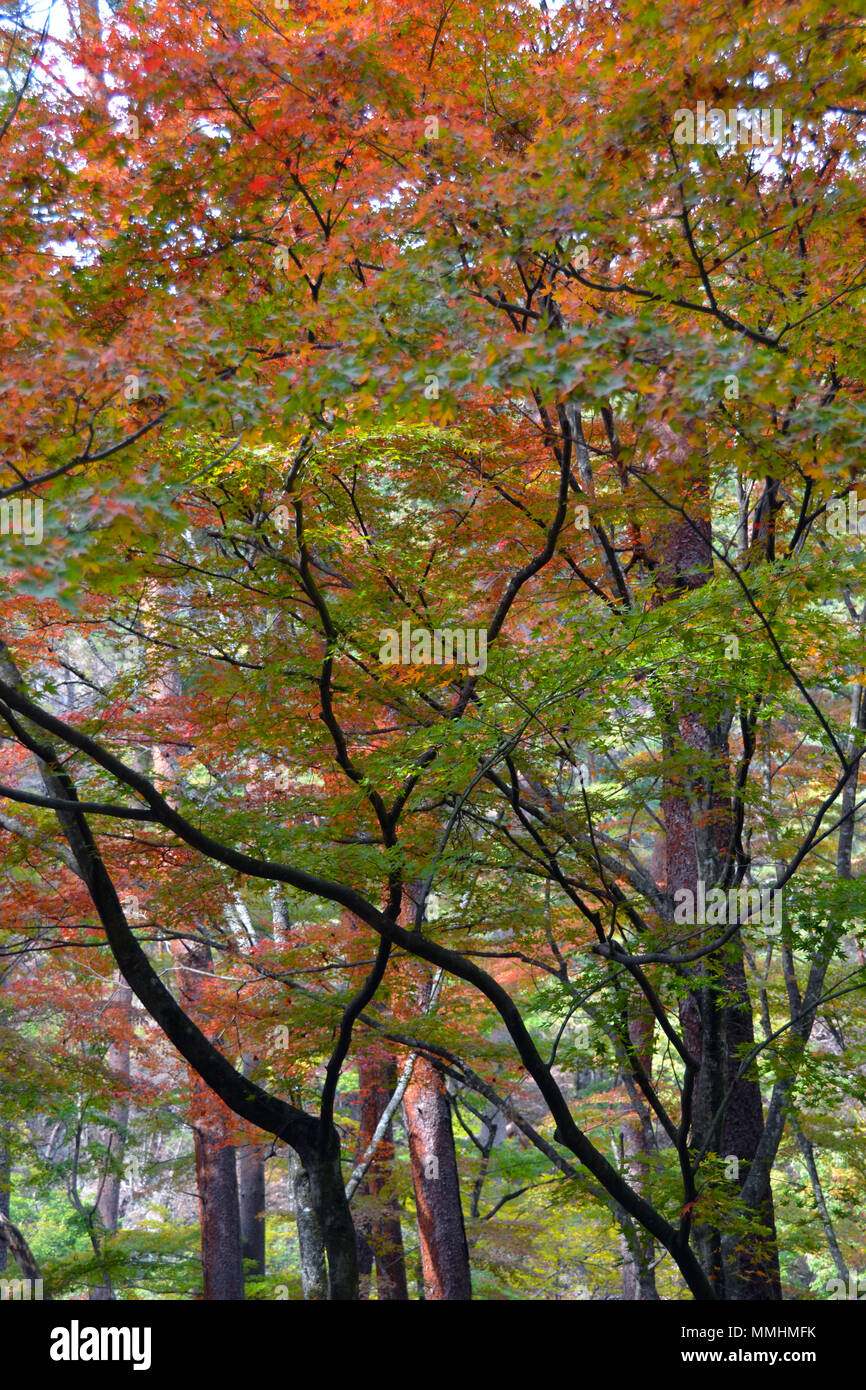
{"x":221,"y":1262}
{"x":5,"y":1196}
{"x":365,"y":1261}
{"x":442,"y":1236}
{"x":251,"y":1195}
{"x":328,"y":1196}
{"x":381,"y":1229}
{"x":216,"y":1175}
{"x":716,"y":1016}
{"x":718,"y":1029}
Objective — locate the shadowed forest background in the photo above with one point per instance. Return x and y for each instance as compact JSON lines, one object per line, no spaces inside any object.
{"x":432,"y":530}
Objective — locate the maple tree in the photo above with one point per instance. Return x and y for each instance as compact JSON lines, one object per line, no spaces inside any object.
{"x":328,"y":328}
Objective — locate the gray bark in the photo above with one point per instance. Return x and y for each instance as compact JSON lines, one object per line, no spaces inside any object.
{"x":311,"y":1246}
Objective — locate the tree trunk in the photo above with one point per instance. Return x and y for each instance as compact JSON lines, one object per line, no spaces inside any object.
{"x":365,"y":1262}
{"x":717,"y":1015}
{"x":5,"y":1195}
{"x":377,"y":1080}
{"x":222,"y":1265}
{"x":328,"y":1198}
{"x":251,"y":1190}
{"x":638,"y":1246}
{"x":219,"y":1213}
{"x":718,"y":1029}
{"x":442,"y":1236}
{"x":311,"y":1246}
